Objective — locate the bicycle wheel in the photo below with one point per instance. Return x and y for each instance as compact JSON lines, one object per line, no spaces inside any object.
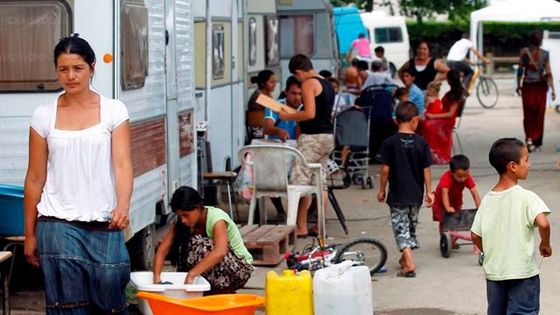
{"x":487,"y":92}
{"x":363,"y":252}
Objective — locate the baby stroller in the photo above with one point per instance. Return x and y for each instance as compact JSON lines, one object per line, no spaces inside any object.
{"x":352,"y":144}
{"x":379,"y":100}
{"x":457,"y":226}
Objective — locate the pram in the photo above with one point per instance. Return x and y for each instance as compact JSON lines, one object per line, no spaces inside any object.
{"x":457,"y":226}
{"x":352,"y":144}
{"x":379,"y":100}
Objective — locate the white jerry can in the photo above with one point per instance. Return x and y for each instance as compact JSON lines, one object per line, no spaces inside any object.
{"x":343,"y":289}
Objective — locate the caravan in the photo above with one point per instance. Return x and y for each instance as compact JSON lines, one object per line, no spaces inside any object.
{"x":172,"y":63}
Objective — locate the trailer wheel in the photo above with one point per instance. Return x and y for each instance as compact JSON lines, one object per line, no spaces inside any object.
{"x":141,"y":249}
{"x":445,"y":245}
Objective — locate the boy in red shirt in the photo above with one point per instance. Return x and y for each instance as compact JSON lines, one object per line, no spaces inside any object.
{"x":449,"y":192}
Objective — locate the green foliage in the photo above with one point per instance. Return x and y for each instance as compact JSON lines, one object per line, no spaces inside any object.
{"x":440,"y":35}
{"x":456,"y":9}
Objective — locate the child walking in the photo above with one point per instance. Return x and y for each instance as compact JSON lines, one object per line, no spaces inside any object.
{"x":406,"y":163}
{"x":449,"y":192}
{"x":503,"y":229}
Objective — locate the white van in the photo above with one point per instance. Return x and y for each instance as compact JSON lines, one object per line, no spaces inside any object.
{"x":391,"y":33}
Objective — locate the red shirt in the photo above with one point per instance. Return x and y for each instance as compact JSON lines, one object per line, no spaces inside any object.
{"x":455,"y":194}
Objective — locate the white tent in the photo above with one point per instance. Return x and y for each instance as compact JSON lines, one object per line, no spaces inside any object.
{"x":513,"y":11}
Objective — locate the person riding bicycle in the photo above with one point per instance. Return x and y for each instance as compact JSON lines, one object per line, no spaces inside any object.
{"x":457,"y":57}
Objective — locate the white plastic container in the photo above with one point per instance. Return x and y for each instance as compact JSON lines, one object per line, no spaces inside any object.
{"x":144,"y":281}
{"x":342,"y":289}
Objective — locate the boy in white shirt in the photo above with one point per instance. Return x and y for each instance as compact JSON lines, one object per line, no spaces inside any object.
{"x":503,"y":229}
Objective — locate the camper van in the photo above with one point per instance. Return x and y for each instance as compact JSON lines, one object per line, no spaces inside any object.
{"x":389,"y":32}
{"x":306,"y":27}
{"x":173,"y":63}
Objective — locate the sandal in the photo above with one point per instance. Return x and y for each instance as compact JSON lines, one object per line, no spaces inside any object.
{"x":406,"y":274}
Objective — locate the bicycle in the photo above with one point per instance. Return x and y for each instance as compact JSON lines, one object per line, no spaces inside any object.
{"x":364,"y":251}
{"x":486,"y":88}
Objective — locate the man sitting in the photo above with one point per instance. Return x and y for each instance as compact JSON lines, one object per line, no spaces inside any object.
{"x":274,"y":127}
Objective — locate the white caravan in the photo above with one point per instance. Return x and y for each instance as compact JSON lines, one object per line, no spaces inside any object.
{"x":145,"y":57}
{"x":391,"y":33}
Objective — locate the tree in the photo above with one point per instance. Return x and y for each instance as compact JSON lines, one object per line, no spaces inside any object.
{"x":456,"y":9}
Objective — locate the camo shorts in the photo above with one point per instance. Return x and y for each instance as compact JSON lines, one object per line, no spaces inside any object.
{"x":404,"y":221}
{"x":316,"y":149}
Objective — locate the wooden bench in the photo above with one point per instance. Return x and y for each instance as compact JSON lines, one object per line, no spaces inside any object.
{"x":268,"y":243}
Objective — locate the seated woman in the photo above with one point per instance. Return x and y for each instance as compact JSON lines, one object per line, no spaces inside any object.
{"x":437,"y":129}
{"x":204,"y":242}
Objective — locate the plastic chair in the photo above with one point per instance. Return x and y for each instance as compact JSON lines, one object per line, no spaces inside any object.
{"x":458,"y":119}
{"x":271,"y":164}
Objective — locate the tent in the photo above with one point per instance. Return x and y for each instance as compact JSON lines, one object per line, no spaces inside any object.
{"x":513,"y":11}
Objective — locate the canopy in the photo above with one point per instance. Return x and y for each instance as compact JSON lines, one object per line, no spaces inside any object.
{"x":513,"y":11}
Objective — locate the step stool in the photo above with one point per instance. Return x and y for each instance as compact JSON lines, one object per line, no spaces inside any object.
{"x":268,"y":243}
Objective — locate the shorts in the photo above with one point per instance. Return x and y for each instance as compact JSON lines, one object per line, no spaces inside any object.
{"x":518,"y":296}
{"x":85,"y":271}
{"x":315,"y":149}
{"x":404,"y":221}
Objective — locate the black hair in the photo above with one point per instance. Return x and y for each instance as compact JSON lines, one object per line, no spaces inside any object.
{"x":325,"y":74}
{"x":457,"y":90}
{"x":74,"y":44}
{"x":354,"y":62}
{"x":262,"y":77}
{"x":186,"y":198}
{"x":379,"y":49}
{"x":361,"y":35}
{"x":423,"y":41}
{"x":291,"y":80}
{"x":362,"y":65}
{"x":300,"y":62}
{"x":399,"y":92}
{"x":376,"y":65}
{"x":535,"y":39}
{"x":406,"y":111}
{"x":504,"y":151}
{"x":407,"y":70}
{"x":459,"y":162}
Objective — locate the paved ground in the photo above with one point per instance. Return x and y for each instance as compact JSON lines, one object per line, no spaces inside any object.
{"x":442,"y":286}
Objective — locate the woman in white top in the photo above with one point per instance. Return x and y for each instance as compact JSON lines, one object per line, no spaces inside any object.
{"x":77,"y":191}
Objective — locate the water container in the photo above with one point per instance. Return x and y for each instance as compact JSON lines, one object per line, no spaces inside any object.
{"x":289,"y":293}
{"x":343,"y":289}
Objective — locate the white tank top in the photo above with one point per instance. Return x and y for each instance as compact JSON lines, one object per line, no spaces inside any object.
{"x":80,"y":183}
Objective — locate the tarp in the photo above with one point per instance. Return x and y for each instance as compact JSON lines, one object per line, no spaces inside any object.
{"x":513,"y":11}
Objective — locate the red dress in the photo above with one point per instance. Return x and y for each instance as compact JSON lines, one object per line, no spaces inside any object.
{"x":434,"y":107}
{"x":455,"y":194}
{"x":438,"y":133}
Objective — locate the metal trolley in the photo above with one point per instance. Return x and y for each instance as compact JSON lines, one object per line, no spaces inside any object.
{"x":457,"y":226}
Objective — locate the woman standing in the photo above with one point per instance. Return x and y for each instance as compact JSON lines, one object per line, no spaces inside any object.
{"x":534,"y":68}
{"x":77,"y":191}
{"x":424,"y":68}
{"x":437,"y":128}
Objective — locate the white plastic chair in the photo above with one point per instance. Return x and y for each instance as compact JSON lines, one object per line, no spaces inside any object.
{"x":271,"y":165}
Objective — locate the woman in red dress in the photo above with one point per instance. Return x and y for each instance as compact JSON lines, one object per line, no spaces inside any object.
{"x":437,"y":129}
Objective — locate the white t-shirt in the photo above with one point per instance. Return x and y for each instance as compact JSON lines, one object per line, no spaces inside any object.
{"x":505,"y":221}
{"x":459,"y":50}
{"x":80,"y":183}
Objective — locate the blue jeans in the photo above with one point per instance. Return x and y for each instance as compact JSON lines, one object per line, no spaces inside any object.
{"x":519,"y":296}
{"x":85,"y":270}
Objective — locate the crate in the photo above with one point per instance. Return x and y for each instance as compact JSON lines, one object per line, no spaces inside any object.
{"x":268,"y":243}
{"x":11,"y":210}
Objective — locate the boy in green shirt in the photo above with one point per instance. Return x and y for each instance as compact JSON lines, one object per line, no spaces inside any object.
{"x":503,"y":229}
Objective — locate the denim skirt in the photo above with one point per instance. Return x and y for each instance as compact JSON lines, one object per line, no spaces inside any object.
{"x":86,"y":270}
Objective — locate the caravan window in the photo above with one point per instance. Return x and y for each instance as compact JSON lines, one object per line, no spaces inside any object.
{"x":388,"y":35}
{"x":272,"y":47}
{"x":134,"y":67}
{"x":28,"y":30}
{"x":218,"y":61}
{"x":252,"y":41}
{"x":296,"y":35}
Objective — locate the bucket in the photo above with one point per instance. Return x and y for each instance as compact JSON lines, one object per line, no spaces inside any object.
{"x":223,"y":304}
{"x":144,"y":281}
{"x":343,"y":289}
{"x":289,"y":293}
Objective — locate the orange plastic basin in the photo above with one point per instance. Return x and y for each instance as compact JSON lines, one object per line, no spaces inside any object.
{"x":224,"y":304}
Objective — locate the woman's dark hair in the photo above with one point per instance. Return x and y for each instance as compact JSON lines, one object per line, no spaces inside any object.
{"x":459,"y":162}
{"x":423,"y":41}
{"x":535,"y":39}
{"x":300,"y":62}
{"x":504,"y":151}
{"x":186,"y":198}
{"x":457,"y":90}
{"x":74,"y":44}
{"x":262,"y":77}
